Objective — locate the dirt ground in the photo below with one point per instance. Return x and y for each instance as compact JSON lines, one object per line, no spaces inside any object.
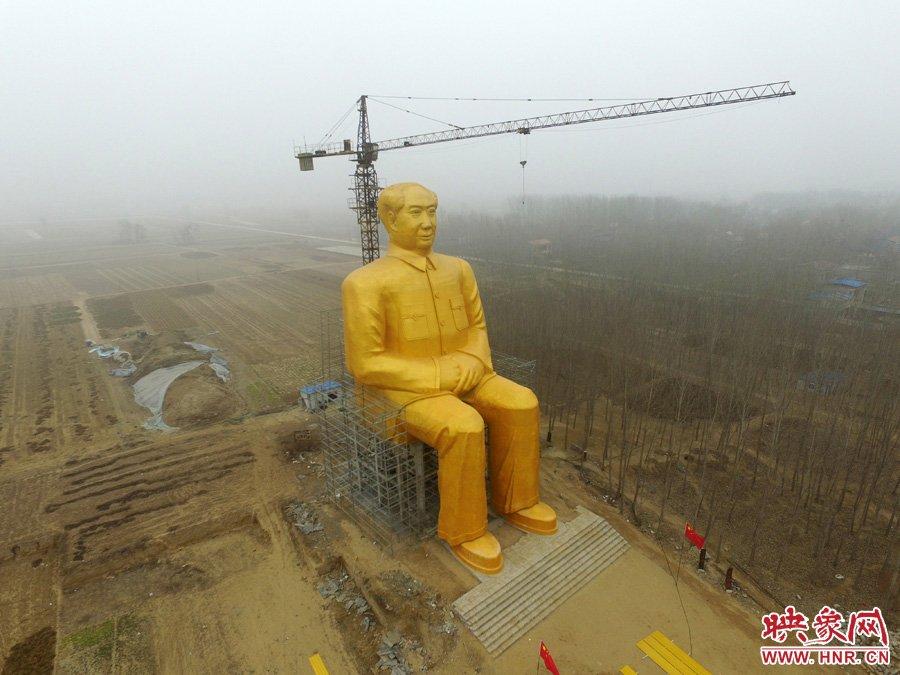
{"x":210,"y":549}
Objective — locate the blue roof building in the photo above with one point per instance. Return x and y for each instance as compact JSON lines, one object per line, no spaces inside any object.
{"x":317,"y":396}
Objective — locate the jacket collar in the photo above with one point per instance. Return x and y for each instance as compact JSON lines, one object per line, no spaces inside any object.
{"x":411,"y":257}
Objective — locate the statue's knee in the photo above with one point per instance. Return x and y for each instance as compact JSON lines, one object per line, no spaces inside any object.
{"x":469,"y":422}
{"x":521,"y":399}
{"x":466,"y":421}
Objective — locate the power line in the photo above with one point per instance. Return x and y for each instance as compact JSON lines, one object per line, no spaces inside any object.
{"x":678,"y":592}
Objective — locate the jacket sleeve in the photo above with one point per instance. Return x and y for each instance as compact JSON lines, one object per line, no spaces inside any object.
{"x":477,"y":343}
{"x":364,"y":344}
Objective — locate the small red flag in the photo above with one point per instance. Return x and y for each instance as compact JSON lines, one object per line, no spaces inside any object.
{"x":691,"y":534}
{"x":548,"y":660}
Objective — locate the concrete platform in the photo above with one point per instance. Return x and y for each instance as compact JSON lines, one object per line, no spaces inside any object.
{"x":538,"y":575}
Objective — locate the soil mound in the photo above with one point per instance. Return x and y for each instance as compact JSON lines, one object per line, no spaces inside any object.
{"x":158,"y":351}
{"x":199,"y":398}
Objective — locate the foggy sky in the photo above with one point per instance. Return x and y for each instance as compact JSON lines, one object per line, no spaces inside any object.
{"x":123,"y":108}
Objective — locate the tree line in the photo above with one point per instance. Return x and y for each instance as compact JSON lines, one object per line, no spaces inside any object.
{"x":683,"y":368}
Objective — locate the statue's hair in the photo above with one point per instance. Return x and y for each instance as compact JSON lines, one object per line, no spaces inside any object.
{"x":393,"y":197}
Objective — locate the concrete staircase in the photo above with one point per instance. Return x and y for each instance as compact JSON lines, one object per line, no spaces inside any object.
{"x":539,"y":574}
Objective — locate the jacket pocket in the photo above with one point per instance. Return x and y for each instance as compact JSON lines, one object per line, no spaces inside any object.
{"x":413,"y":322}
{"x":458,"y":309}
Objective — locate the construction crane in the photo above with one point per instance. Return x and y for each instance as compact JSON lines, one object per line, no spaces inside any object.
{"x":365,"y":152}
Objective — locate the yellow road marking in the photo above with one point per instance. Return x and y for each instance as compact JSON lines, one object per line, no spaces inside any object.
{"x":669,"y":656}
{"x":317,"y":664}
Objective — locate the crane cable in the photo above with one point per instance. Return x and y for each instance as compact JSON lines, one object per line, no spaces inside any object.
{"x":524,"y":100}
{"x":523,"y":160}
{"x":412,"y":112}
{"x":330,"y":132}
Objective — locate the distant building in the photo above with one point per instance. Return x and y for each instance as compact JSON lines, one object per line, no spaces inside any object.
{"x":318,"y":396}
{"x":844,"y":290}
{"x":831,"y":295}
{"x":856,"y":286}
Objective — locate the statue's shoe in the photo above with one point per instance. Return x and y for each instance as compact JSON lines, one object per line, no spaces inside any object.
{"x":482,"y":554}
{"x":539,"y":519}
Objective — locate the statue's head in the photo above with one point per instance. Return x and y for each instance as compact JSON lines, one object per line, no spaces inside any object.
{"x":409,"y":214}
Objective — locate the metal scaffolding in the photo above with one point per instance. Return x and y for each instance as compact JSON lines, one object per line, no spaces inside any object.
{"x":374,"y":471}
{"x":386,"y":479}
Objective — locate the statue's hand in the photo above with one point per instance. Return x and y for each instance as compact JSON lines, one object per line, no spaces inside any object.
{"x":472,"y":370}
{"x":450,"y":373}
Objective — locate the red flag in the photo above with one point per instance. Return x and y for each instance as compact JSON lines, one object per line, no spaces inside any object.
{"x":548,"y":660}
{"x":691,"y":534}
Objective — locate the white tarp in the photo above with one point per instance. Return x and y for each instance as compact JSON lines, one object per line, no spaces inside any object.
{"x":221,"y":371}
{"x":127,"y":370}
{"x":150,"y":390}
{"x":103,"y":351}
{"x":217,"y":362}
{"x":203,"y":349}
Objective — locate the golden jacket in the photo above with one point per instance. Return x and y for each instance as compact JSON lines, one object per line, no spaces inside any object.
{"x":402,"y":313}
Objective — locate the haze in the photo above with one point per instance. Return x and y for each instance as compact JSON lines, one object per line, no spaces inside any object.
{"x":121,"y":109}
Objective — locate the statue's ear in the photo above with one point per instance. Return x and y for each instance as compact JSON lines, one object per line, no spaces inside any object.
{"x":389,"y":219}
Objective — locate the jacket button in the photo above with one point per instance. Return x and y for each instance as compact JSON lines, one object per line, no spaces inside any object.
{"x":443,"y":323}
{"x":437,"y":295}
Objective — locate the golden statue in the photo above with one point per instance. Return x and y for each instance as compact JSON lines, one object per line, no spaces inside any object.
{"x":414,"y":329}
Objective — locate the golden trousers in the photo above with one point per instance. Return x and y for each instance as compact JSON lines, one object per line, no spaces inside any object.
{"x":454,"y":427}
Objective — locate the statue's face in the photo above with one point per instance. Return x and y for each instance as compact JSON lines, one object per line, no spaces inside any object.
{"x":414,"y":226}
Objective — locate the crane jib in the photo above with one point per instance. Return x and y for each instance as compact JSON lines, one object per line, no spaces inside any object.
{"x":637,"y":109}
{"x":528,"y":124}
